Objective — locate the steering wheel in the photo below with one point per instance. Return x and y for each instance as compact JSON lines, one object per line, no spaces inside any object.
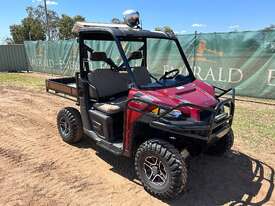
{"x":166,"y":74}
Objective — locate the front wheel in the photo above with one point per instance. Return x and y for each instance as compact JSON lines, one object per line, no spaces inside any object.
{"x":161,"y":169}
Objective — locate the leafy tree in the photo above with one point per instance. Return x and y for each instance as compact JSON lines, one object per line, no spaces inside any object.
{"x":29,"y":29}
{"x":158,"y":29}
{"x":38,"y":13}
{"x":33,"y":29}
{"x":17,"y":33}
{"x":270,"y":28}
{"x":34,"y":26}
{"x":9,"y":41}
{"x":166,"y":29}
{"x":66,"y":24}
{"x":78,"y":18}
{"x":116,"y":21}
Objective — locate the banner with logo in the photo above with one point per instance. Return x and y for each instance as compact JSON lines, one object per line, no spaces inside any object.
{"x":244,"y":60}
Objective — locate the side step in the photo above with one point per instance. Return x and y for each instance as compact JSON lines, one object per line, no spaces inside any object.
{"x":115,"y":148}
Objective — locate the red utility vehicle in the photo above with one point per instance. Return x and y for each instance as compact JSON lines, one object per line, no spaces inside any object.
{"x":130,"y":109}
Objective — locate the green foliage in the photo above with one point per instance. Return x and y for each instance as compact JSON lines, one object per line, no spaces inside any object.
{"x":78,"y":18}
{"x":65,"y":27}
{"x":270,"y":28}
{"x":116,"y":21}
{"x":158,"y":29}
{"x":33,"y":29}
{"x":66,"y":24}
{"x":38,"y":13}
{"x":166,"y":29}
{"x":29,"y":29}
{"x":9,"y":41}
{"x":34,"y":26}
{"x":17,"y":33}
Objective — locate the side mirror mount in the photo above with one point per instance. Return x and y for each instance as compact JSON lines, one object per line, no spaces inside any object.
{"x":98,"y":56}
{"x":101,"y":56}
{"x":135,"y":55}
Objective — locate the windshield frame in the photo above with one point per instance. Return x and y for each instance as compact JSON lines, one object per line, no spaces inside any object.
{"x":112,"y":35}
{"x":144,"y":40}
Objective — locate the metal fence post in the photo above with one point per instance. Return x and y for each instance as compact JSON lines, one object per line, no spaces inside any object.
{"x":194,"y":50}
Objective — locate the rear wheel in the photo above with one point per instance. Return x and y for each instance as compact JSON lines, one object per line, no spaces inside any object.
{"x":223,"y":145}
{"x":69,"y":125}
{"x":161,"y":169}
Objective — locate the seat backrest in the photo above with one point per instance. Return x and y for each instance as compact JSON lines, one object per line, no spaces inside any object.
{"x":106,"y":83}
{"x":142,"y":75}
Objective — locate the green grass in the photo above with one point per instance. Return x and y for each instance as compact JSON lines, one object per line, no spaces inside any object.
{"x":22,"y":80}
{"x":255,"y":124}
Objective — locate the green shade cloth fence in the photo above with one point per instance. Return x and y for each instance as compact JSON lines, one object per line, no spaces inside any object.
{"x":244,"y":60}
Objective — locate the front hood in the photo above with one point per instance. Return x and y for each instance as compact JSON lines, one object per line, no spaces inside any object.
{"x":197,"y":93}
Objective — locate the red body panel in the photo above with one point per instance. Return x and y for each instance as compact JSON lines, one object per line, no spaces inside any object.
{"x":197,"y":92}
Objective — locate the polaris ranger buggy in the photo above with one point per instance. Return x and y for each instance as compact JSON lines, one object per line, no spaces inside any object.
{"x":128,"y":111}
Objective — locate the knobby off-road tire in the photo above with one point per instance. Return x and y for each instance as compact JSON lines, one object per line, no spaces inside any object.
{"x":69,"y":125}
{"x":167,"y":177}
{"x":223,"y":145}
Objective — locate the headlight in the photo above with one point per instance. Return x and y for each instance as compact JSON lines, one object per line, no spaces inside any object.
{"x":175,"y":114}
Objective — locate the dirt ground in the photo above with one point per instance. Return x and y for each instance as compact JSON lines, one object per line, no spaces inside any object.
{"x":38,"y":168}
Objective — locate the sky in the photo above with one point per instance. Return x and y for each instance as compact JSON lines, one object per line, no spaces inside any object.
{"x":184,"y":16}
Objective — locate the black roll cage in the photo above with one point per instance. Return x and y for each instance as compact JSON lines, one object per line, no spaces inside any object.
{"x":118,"y":35}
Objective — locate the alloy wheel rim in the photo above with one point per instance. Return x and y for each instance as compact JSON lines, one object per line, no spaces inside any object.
{"x":64,"y":126}
{"x":154,"y":170}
